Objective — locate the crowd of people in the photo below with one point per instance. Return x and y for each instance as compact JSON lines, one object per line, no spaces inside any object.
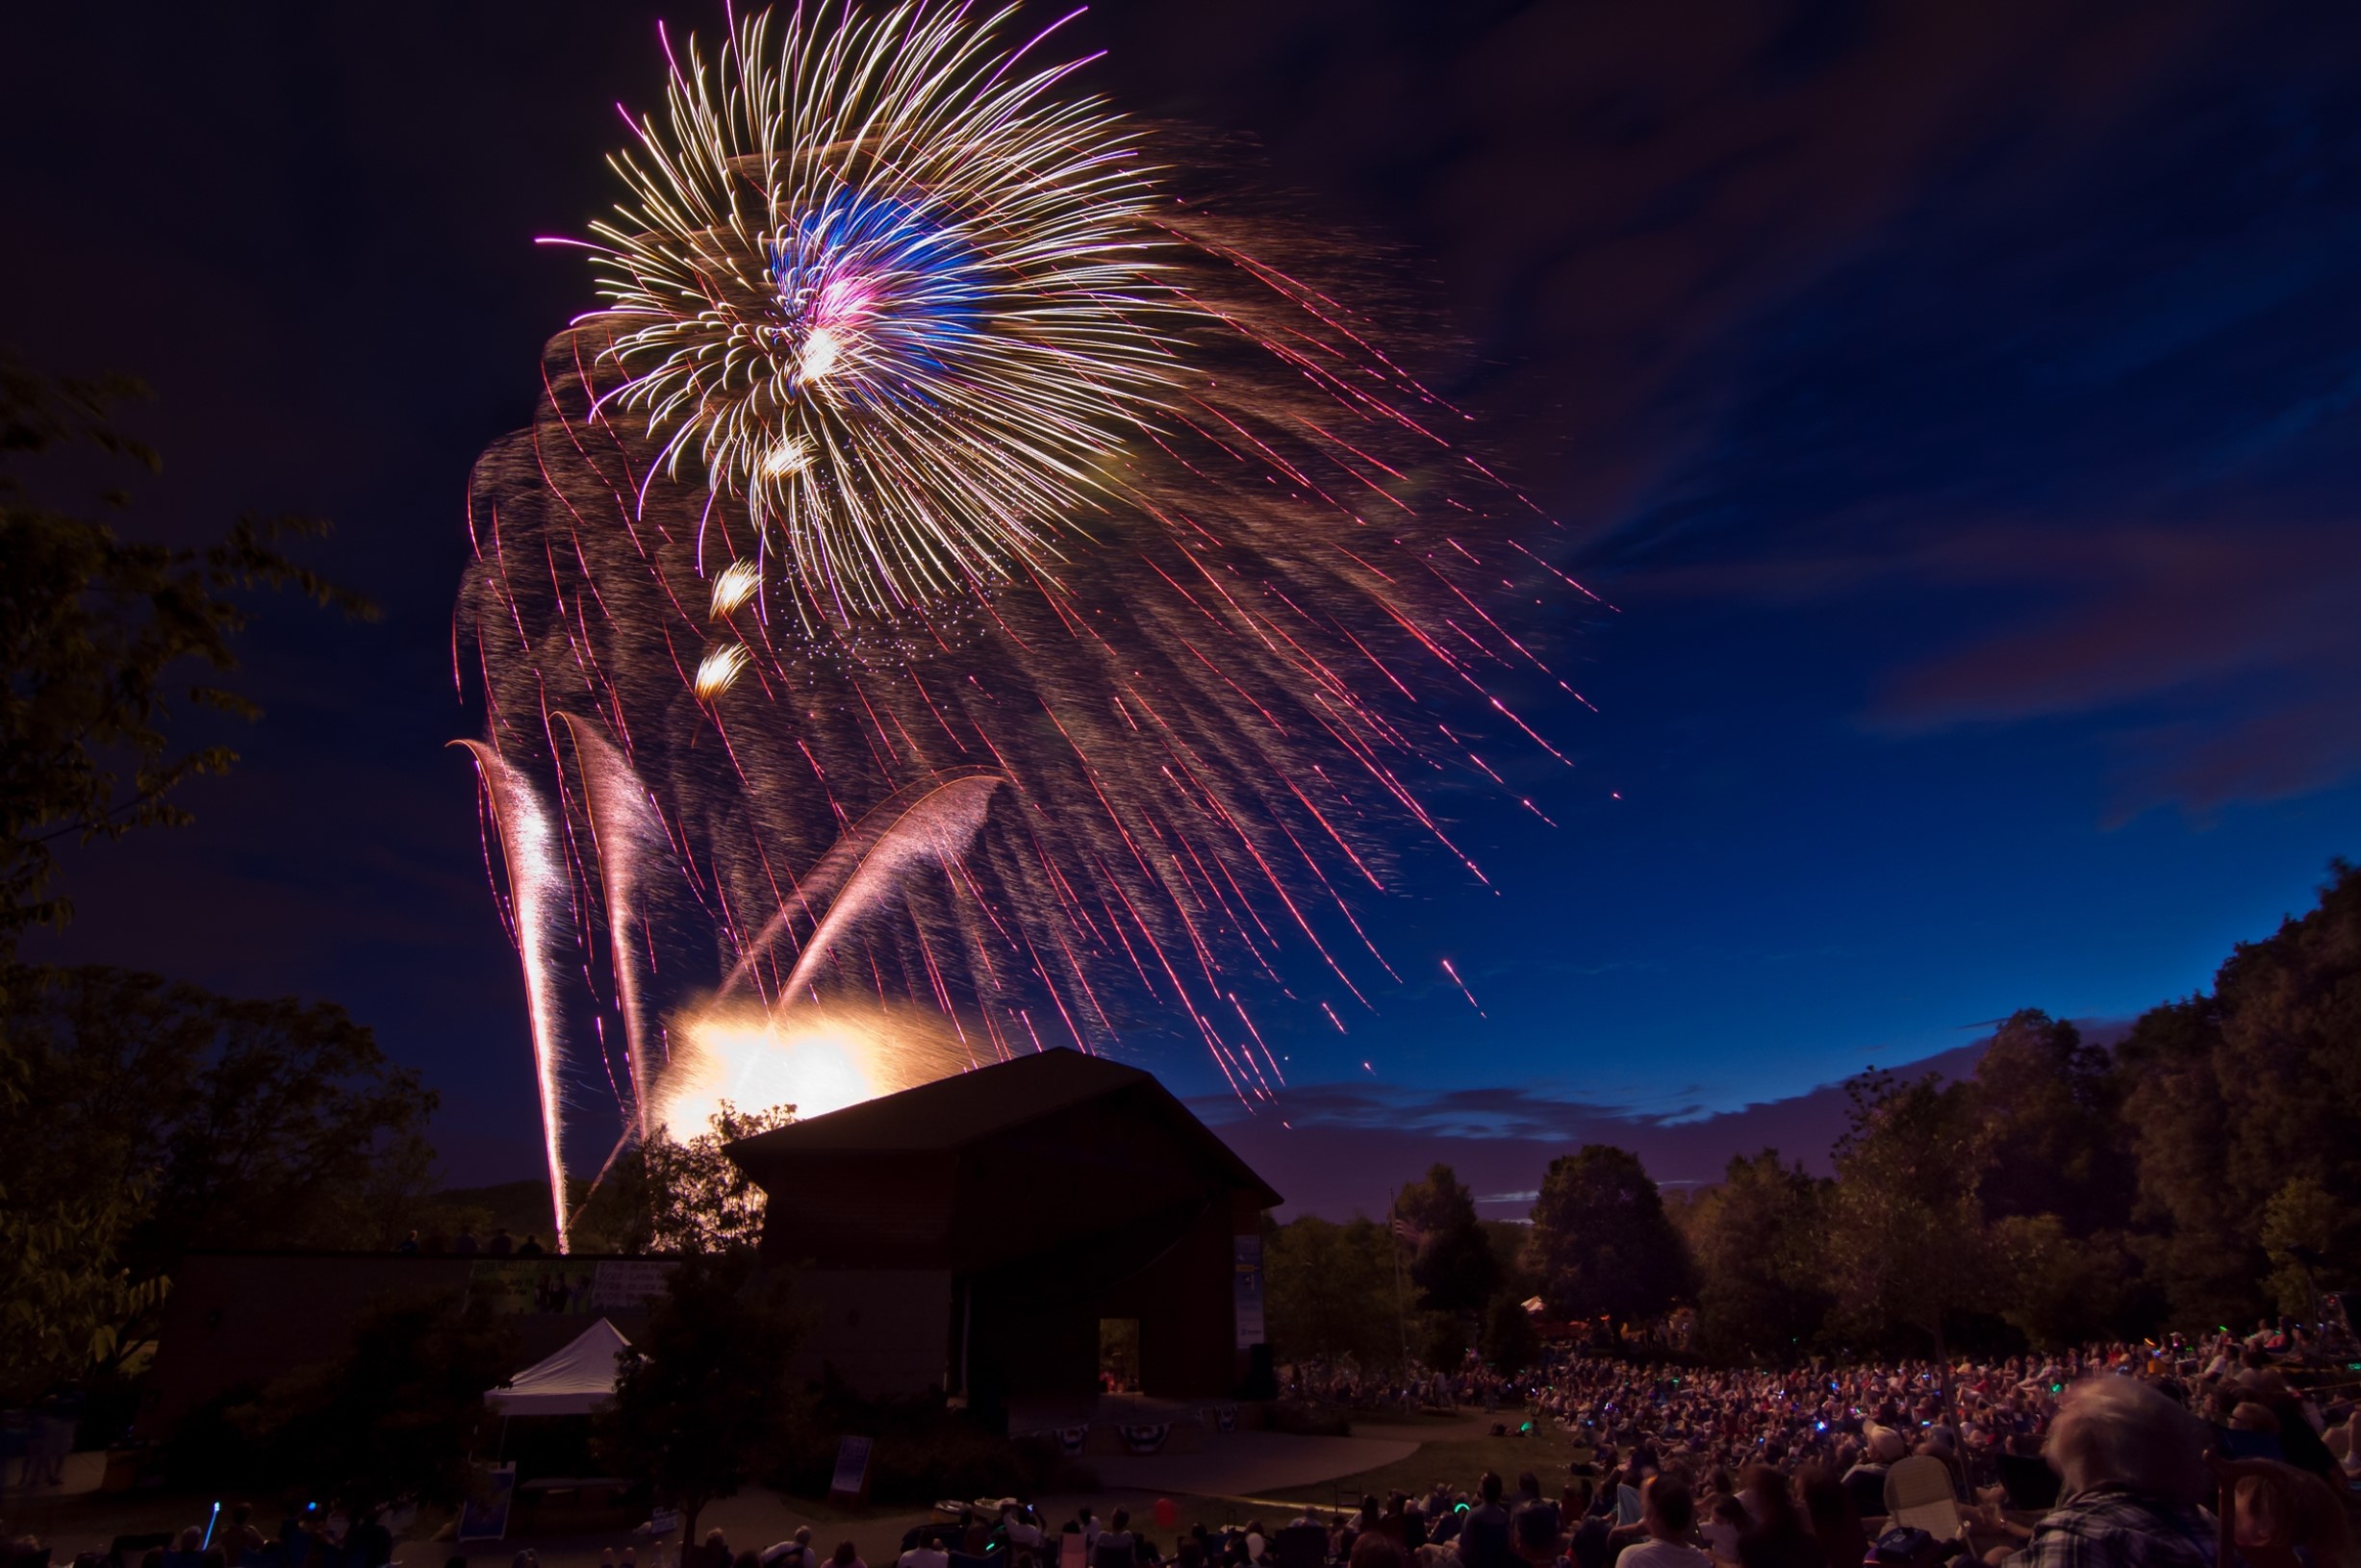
{"x":310,"y":1537}
{"x":2099,"y":1459}
{"x":2106,"y":1457}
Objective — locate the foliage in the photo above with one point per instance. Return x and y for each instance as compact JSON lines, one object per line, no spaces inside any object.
{"x":260,"y":1124}
{"x":149,"y":1118}
{"x":666,"y":1196}
{"x":92,"y":631}
{"x":1907,"y":1243}
{"x":1331,"y":1292}
{"x":2232,"y":1097}
{"x":1757,"y":1238}
{"x":1602,"y":1241}
{"x":2201,"y":1174}
{"x":1453,"y":1265}
{"x":2301,"y":1224}
{"x":64,"y":1295}
{"x":394,"y":1419}
{"x":2191,"y":1236}
{"x":1512,"y":1255}
{"x":701,"y":1400}
{"x":2053,"y":1132}
{"x":1510,"y":1342}
{"x":2057,"y":1289}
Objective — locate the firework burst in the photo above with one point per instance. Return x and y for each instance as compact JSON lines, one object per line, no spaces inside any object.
{"x":879,"y":289}
{"x":971,"y":569}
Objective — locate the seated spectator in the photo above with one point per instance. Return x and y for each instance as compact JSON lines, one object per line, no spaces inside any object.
{"x":1843,"y":1543}
{"x":2251,"y":1416}
{"x":1725,"y":1520}
{"x":796,"y":1551}
{"x":1484,"y":1540}
{"x":2298,"y":1439}
{"x":1539,"y":1545}
{"x":1777,"y":1538}
{"x":1865,"y":1483}
{"x":847,"y":1555}
{"x":1115,"y":1547}
{"x":1375,"y":1549}
{"x":2286,"y":1517}
{"x":2131,"y":1464}
{"x":1529,"y":1500}
{"x":244,"y":1541}
{"x":1669,"y":1512}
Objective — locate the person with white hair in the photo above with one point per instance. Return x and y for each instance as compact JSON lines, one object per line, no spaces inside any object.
{"x":2131,"y":1466}
{"x":1865,"y":1483}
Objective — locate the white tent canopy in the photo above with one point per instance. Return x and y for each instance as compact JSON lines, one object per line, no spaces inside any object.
{"x":573,"y":1382}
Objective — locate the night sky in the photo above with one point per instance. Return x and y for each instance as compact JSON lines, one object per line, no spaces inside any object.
{"x":1956,"y":402}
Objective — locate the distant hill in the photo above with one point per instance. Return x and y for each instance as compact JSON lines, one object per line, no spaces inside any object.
{"x":1349,"y":1145}
{"x":1346,"y":1145}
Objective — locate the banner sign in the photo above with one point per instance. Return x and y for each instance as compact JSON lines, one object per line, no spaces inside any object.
{"x":851,"y":1479}
{"x":1246,"y":1289}
{"x":485,"y":1517}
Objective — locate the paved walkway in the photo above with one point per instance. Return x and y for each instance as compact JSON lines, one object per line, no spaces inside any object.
{"x":1253,"y":1464}
{"x":1470,"y":1424}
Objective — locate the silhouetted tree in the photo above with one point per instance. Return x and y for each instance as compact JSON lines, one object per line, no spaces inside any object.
{"x":2246,"y":1100}
{"x":1757,"y":1238}
{"x":1602,"y":1241}
{"x":2054,"y":1141}
{"x":1907,"y":1243}
{"x":1510,"y":1341}
{"x":1330,"y":1292}
{"x":93,"y":631}
{"x":1451,"y":1261}
{"x":701,"y":1400}
{"x":393,"y":1419}
{"x":2058,"y":1289}
{"x":166,"y":1118}
{"x":670,"y":1196}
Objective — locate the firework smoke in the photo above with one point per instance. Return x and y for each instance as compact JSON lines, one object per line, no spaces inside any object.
{"x":966,"y":568}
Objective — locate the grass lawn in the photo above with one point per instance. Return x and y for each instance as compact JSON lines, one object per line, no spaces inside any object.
{"x":1459,"y":1461}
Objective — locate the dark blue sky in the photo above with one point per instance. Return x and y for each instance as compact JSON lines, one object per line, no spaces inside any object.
{"x":1956,"y":401}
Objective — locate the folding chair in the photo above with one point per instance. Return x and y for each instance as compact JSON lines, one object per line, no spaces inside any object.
{"x":1919,"y":1494}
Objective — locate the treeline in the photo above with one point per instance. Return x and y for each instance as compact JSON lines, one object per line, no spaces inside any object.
{"x":2204,"y":1172}
{"x":142,"y":1120}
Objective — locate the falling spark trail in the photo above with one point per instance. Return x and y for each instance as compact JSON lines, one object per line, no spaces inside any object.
{"x":950,"y":547}
{"x":1463,"y":990}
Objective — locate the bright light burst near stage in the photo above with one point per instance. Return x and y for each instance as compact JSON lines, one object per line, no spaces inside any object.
{"x":968,"y":590}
